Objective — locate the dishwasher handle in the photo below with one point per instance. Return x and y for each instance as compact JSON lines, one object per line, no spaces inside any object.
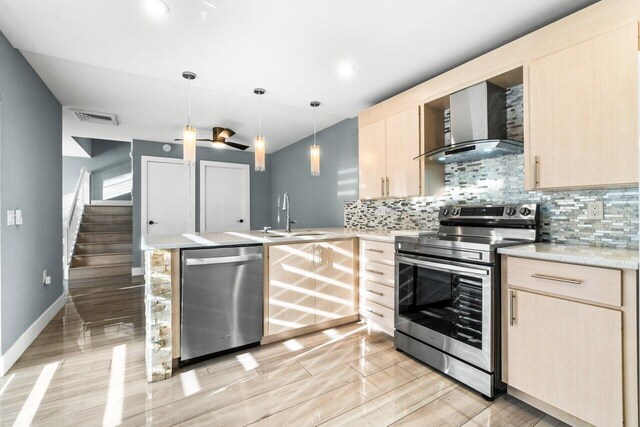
{"x":223,"y":259}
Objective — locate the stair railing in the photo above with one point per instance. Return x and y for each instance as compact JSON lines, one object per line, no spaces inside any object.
{"x":81,"y":197}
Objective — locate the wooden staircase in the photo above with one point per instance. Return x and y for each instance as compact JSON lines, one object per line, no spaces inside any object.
{"x":104,"y":244}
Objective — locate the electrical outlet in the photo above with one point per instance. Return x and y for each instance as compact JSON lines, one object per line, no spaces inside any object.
{"x":18,"y":217}
{"x":44,"y":277}
{"x":11,"y":217}
{"x":382,"y":210}
{"x":595,"y":210}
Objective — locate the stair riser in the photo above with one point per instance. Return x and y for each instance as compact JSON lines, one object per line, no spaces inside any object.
{"x":89,"y":260}
{"x":108,"y":210}
{"x":106,"y":227}
{"x":104,"y":238}
{"x":105,"y":271}
{"x":105,"y":219}
{"x":104,"y":248}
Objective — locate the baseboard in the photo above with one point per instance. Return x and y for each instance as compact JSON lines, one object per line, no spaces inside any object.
{"x":12,"y":355}
{"x":137,"y":271}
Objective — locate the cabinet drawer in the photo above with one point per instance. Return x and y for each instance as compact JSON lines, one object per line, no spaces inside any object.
{"x":379,"y":273}
{"x":377,"y":313}
{"x":599,"y":285}
{"x":378,"y":251}
{"x":377,"y":293}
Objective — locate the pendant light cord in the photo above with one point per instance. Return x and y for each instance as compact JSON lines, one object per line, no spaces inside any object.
{"x":189,"y":114}
{"x":314,"y":125}
{"x":259,"y":114}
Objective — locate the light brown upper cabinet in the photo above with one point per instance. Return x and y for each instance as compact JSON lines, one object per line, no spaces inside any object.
{"x":582,"y":128}
{"x":387,"y":151}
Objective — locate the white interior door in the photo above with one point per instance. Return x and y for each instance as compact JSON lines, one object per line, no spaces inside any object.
{"x":168,"y":196}
{"x":224,"y":197}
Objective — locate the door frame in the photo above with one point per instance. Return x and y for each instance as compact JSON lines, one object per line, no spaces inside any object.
{"x":245,"y":168}
{"x":144,"y":161}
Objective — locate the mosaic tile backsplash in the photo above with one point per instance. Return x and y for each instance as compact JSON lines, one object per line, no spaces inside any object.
{"x":501,"y":181}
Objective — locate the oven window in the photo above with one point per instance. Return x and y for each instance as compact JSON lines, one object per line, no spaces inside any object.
{"x":449,"y":303}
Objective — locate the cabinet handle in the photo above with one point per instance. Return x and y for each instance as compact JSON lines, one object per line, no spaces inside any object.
{"x":556,"y":279}
{"x":375,"y":292}
{"x":378,"y":251}
{"x":375,"y":272}
{"x":512,"y":303}
{"x":373,"y":312}
{"x":536,"y":172}
{"x":382,"y":187}
{"x":387,"y":186}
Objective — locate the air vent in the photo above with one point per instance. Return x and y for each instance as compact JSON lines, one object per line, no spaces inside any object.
{"x":94,"y":117}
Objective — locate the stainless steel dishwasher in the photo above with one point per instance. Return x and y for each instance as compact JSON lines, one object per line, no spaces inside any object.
{"x":222,"y":297}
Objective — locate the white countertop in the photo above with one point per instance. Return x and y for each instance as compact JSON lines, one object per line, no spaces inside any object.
{"x":204,"y":240}
{"x":576,"y":254}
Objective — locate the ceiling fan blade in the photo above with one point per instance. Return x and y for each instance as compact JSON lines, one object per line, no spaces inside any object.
{"x":236,"y":145}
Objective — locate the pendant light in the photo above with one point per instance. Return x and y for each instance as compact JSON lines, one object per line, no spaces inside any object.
{"x":189,"y":132}
{"x":259,"y":143}
{"x":314,"y":150}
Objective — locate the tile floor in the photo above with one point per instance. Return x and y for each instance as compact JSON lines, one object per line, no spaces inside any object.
{"x":87,"y":368}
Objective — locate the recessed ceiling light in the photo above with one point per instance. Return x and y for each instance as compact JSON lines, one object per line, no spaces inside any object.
{"x":346,"y":70}
{"x":156,"y":7}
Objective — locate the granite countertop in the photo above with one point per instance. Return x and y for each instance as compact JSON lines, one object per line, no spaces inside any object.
{"x":204,"y":240}
{"x":576,"y":254}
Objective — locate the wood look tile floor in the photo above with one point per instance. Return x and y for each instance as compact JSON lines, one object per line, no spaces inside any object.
{"x":87,"y":368}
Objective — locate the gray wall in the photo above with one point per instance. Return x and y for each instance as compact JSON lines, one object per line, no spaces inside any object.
{"x":317,"y":201}
{"x":260,"y":183}
{"x":31,"y":180}
{"x":109,"y":159}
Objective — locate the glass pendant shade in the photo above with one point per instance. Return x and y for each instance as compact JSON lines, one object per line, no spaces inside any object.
{"x":259,"y":147}
{"x":315,"y":160}
{"x":189,"y":144}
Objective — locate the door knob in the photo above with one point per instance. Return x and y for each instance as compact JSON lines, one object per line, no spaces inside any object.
{"x":241,"y":221}
{"x":152,"y":222}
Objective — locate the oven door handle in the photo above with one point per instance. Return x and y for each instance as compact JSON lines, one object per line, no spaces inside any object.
{"x":443,"y":267}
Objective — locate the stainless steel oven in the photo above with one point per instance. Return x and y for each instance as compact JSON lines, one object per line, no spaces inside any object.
{"x":447,"y":298}
{"x":447,"y":305}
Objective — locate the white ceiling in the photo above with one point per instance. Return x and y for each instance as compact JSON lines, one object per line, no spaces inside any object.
{"x":113,"y":56}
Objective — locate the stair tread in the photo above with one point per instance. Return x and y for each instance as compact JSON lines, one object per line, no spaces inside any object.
{"x":85,"y":267}
{"x":103,"y":254}
{"x":104,"y":232}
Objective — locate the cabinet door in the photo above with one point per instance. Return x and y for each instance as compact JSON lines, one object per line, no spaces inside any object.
{"x":291,"y":287}
{"x":335,"y":280}
{"x":402,"y":147}
{"x":568,"y":355}
{"x":583,"y":114}
{"x":371,"y":155}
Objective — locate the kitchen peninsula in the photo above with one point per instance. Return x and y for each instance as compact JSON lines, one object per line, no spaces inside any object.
{"x":335,"y":250}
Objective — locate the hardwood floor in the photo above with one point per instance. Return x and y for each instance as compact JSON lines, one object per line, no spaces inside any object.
{"x":87,"y":368}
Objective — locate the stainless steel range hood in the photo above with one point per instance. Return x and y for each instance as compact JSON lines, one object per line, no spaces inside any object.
{"x":478,"y":126}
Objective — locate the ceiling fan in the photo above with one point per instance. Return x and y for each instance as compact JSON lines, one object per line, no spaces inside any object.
{"x":219,"y":139}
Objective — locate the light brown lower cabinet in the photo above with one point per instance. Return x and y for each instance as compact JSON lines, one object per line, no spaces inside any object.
{"x":573,"y":355}
{"x":567,"y":354}
{"x":308,"y":284}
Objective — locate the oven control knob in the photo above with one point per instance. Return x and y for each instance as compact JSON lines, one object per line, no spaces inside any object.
{"x":511,"y":211}
{"x":525,"y":211}
{"x":455,"y":211}
{"x":445,"y":212}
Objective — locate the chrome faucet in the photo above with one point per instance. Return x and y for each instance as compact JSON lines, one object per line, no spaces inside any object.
{"x":286,"y":206}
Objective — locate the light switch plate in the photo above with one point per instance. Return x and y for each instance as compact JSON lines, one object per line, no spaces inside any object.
{"x":595,"y":210}
{"x":11,"y":217}
{"x":18,"y":216}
